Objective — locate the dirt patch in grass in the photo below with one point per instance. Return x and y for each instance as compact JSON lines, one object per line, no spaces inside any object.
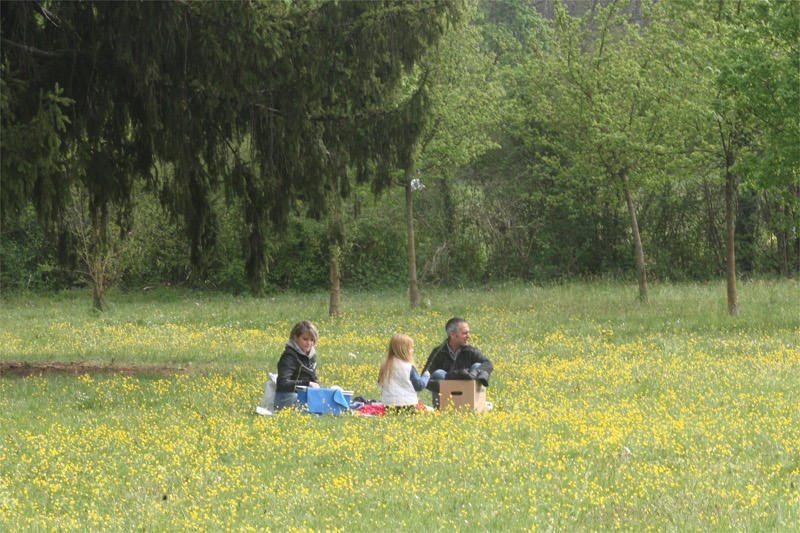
{"x":23,"y":369}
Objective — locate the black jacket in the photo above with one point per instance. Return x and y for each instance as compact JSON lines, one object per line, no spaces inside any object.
{"x":296,"y":368}
{"x":459,"y":368}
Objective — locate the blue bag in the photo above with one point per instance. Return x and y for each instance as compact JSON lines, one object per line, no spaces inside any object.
{"x":324,"y":401}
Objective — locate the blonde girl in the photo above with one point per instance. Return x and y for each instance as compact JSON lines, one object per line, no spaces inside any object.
{"x":399,"y":378}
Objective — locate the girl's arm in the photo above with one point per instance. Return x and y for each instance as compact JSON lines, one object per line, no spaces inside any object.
{"x":417,"y":381}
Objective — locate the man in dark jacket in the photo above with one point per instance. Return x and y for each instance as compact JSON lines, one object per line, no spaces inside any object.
{"x":456,"y":359}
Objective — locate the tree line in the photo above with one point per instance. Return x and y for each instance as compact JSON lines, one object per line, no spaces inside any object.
{"x":262,"y":145}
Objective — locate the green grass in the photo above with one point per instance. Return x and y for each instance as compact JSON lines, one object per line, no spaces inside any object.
{"x":609,"y":414}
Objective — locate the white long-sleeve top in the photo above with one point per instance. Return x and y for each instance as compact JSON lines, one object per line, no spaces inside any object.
{"x":401,"y":385}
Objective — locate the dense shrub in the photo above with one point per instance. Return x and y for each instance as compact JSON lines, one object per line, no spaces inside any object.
{"x":377,"y":253}
{"x":28,"y":257}
{"x":300,"y":259}
{"x":465,"y":234}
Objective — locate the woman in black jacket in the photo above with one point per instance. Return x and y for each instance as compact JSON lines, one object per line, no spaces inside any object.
{"x":297,"y":365}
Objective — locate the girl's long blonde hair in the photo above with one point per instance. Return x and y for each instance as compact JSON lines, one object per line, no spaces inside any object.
{"x":400,"y":347}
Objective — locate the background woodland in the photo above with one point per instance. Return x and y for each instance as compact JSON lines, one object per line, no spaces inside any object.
{"x":265,"y":146}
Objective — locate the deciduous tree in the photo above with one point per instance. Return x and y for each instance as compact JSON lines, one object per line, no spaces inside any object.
{"x":605,"y":86}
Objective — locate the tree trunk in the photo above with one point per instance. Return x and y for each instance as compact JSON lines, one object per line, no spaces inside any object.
{"x":335,"y":281}
{"x":96,"y":267}
{"x":336,"y":240}
{"x":793,"y":213}
{"x":413,"y":289}
{"x":783,"y":242}
{"x":641,"y":272}
{"x":730,"y":237}
{"x":730,"y":141}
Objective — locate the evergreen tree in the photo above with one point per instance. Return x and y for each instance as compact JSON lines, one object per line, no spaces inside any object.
{"x":269,"y":101}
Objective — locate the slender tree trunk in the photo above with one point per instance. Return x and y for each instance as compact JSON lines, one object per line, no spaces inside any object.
{"x":413,"y":288}
{"x":794,"y":213}
{"x":336,"y":239}
{"x":335,"y":279}
{"x":730,"y":238}
{"x":783,"y":243}
{"x":730,"y":142}
{"x":641,"y":272}
{"x":97,"y":270}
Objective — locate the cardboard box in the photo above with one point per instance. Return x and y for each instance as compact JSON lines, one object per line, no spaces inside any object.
{"x":462,"y":394}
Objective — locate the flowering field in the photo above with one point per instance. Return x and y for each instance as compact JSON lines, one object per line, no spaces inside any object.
{"x":608,"y":415}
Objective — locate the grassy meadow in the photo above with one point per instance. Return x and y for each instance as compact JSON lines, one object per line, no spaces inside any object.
{"x":609,"y":414}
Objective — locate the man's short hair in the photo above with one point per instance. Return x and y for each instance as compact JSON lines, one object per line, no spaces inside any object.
{"x":452,"y":325}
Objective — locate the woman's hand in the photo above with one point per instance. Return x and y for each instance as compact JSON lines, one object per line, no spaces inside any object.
{"x":313,"y":385}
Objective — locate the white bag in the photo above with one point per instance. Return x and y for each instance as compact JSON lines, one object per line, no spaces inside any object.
{"x":268,"y":400}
